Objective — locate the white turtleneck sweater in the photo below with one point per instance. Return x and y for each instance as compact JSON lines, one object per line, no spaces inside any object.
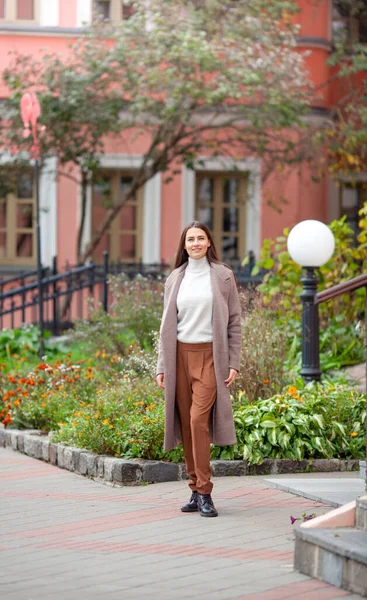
{"x":195,"y":304}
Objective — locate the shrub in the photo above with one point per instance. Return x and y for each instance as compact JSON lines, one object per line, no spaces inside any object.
{"x":24,"y":341}
{"x":321,"y":421}
{"x":134,"y":316}
{"x":124,"y":421}
{"x":284,"y":277}
{"x":264,"y":347}
{"x":340,"y":345}
{"x":45,"y":395}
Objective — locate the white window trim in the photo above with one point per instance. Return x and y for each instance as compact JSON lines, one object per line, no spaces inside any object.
{"x":83,"y":12}
{"x":48,"y":211}
{"x":151,"y":233}
{"x":252,"y":166}
{"x":49,"y":13}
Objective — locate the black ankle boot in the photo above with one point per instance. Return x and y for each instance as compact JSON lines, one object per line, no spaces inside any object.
{"x":206,"y":506}
{"x":192,"y":505}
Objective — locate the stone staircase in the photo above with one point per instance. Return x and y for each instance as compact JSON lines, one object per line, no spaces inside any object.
{"x":333,"y":547}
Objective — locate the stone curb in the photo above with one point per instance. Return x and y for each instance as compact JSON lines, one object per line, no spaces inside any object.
{"x":119,"y":471}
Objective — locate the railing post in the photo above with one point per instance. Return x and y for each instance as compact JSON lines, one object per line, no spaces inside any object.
{"x":365,"y":315}
{"x":39,"y":263}
{"x":251,"y":261}
{"x":105,"y":281}
{"x":310,"y":328}
{"x":12,"y":313}
{"x":55,"y":324}
{"x":24,"y":297}
{"x":92,"y":268}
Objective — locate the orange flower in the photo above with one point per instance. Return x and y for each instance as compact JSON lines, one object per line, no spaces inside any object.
{"x":292,"y":390}
{"x":266,"y":381}
{"x":89,"y":368}
{"x":7,"y":420}
{"x":30,"y":381}
{"x":90,"y":376}
{"x":354,"y":433}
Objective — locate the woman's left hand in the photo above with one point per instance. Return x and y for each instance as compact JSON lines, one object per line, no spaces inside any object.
{"x":232,"y":376}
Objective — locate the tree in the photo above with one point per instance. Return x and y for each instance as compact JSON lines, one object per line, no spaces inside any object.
{"x":346,"y":138}
{"x":215,"y":77}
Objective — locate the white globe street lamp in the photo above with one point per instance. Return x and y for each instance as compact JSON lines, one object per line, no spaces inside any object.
{"x":310,"y":244}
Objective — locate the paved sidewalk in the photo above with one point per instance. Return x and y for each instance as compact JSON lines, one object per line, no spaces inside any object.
{"x":334,"y":489}
{"x":65,"y":537}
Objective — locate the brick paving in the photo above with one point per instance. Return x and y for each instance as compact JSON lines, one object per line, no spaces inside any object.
{"x":66,"y":537}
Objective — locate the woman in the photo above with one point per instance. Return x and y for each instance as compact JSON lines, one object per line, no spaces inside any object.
{"x":199,"y":358}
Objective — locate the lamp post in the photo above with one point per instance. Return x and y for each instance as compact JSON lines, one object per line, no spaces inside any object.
{"x":310,"y":244}
{"x":30,"y":111}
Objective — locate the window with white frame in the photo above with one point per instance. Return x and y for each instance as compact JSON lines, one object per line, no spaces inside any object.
{"x":17,"y":223}
{"x":221,"y":206}
{"x":20,"y":12}
{"x":123,"y":239}
{"x":349,"y":22}
{"x":112,"y":10}
{"x":351,"y":199}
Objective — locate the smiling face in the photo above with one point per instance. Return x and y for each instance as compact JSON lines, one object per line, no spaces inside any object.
{"x":196,"y":243}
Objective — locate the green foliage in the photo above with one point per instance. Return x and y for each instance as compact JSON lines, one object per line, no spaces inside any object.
{"x":97,"y":405}
{"x":25,"y":341}
{"x":284,"y":278}
{"x":319,"y":421}
{"x":341,"y":345}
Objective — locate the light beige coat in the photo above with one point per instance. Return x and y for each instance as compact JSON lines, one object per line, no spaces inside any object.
{"x":226,"y":351}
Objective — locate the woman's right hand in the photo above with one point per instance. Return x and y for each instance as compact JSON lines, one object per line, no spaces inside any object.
{"x":160,"y":380}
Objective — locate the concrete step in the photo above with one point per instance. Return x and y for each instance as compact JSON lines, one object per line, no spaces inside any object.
{"x":361,"y":513}
{"x":337,"y":556}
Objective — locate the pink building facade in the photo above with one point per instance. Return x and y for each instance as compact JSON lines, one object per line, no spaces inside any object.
{"x":231,"y":197}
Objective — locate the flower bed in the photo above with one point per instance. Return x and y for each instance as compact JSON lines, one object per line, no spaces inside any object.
{"x":103,"y":405}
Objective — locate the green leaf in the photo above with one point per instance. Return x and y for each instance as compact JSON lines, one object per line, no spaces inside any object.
{"x":319,"y":420}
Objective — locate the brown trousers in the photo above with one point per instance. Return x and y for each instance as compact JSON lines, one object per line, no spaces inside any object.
{"x":196,"y":391}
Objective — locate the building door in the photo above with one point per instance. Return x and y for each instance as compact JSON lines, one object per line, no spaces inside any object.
{"x":221,"y":206}
{"x":123,"y":240}
{"x":17,"y":223}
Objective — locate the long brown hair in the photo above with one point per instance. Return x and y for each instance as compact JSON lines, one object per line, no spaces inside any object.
{"x":182,"y":256}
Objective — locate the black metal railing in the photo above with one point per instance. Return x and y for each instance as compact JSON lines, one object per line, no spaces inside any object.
{"x":19,"y":297}
{"x":65,"y":294}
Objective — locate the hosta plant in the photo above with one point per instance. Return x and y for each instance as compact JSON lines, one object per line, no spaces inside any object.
{"x":321,"y":423}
